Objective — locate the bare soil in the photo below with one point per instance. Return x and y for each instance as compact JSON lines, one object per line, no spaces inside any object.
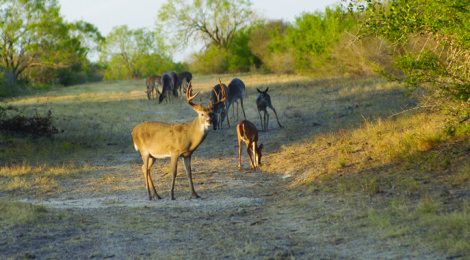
{"x":247,"y":214}
{"x":242,"y":215}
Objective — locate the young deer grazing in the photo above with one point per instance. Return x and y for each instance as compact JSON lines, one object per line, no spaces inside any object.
{"x":263,"y":102}
{"x":236,"y":90}
{"x":151,"y":82}
{"x":175,"y":82}
{"x":161,"y":140}
{"x":219,"y":110}
{"x":248,"y":133}
{"x":166,"y":88}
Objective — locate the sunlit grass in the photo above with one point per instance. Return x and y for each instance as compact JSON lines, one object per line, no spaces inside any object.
{"x":347,"y":137}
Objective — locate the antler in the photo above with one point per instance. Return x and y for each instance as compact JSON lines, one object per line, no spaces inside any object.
{"x":189,"y":97}
{"x":223,"y":94}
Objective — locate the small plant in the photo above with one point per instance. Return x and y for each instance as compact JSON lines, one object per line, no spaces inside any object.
{"x":36,"y":126}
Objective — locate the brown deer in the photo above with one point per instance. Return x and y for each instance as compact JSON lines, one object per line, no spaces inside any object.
{"x":248,"y":133}
{"x":236,"y":90}
{"x":166,"y":88}
{"x":219,"y":110}
{"x":161,"y":140}
{"x":263,"y":102}
{"x":151,"y":82}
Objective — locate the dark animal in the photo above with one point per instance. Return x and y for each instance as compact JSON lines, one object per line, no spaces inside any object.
{"x":175,"y":82}
{"x":185,"y":78}
{"x":236,"y":90}
{"x":219,"y":110}
{"x":166,"y":88}
{"x":263,"y":102}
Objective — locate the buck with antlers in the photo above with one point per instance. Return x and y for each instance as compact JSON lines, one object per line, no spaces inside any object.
{"x":236,"y":91}
{"x":166,"y":88}
{"x":263,"y":102}
{"x":219,"y":110}
{"x":151,"y":82}
{"x":161,"y":140}
{"x":247,"y":132}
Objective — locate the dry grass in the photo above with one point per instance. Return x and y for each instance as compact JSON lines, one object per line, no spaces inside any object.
{"x":401,"y":176}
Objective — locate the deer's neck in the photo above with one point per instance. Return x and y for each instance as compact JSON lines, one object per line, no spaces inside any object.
{"x":198,"y":131}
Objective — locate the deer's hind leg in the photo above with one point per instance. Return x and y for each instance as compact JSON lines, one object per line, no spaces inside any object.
{"x":249,"y":150}
{"x":239,"y":133}
{"x":148,"y":162}
{"x":150,"y":182}
{"x":274,"y":110}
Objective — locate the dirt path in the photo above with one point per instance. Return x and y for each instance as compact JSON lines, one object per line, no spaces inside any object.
{"x":243,"y":215}
{"x":104,"y":213}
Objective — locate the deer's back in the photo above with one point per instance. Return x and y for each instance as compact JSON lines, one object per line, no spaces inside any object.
{"x":166,"y":81}
{"x":236,"y":89}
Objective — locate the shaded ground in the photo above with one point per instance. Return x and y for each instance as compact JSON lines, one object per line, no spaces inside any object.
{"x":243,"y":215}
{"x":105,"y":214}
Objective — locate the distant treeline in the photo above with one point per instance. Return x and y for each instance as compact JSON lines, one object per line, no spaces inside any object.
{"x":417,"y":42}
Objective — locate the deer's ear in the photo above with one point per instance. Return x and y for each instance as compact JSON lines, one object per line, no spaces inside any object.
{"x":258,"y":90}
{"x":266,"y":89}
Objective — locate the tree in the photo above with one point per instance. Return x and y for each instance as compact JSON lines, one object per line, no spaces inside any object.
{"x":206,"y":21}
{"x":132,"y":54}
{"x":313,"y":36}
{"x":267,"y":42}
{"x":430,"y":43}
{"x":32,"y":34}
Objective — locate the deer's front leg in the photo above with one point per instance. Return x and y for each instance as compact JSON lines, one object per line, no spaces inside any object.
{"x":145,"y":169}
{"x":250,"y":153}
{"x":174,"y":165}
{"x":187,"y":164}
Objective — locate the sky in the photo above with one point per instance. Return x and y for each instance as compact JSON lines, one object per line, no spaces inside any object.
{"x":105,"y":14}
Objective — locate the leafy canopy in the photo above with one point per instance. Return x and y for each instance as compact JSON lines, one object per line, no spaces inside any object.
{"x":132,"y":54}
{"x":211,"y":22}
{"x":430,"y":43}
{"x":33,"y":33}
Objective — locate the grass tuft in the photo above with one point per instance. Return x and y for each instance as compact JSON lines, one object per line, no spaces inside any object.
{"x":15,"y":212}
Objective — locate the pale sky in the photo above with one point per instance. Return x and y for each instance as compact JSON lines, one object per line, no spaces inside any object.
{"x":105,"y":14}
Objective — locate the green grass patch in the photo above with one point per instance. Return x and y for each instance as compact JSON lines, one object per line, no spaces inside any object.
{"x":15,"y":212}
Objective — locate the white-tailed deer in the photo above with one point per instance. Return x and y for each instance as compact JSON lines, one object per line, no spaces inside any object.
{"x":166,"y":88}
{"x":185,"y":78}
{"x":157,"y":140}
{"x":175,"y":83}
{"x":248,"y":133}
{"x":219,"y":110}
{"x":151,"y":82}
{"x":263,"y":102}
{"x":236,"y":90}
